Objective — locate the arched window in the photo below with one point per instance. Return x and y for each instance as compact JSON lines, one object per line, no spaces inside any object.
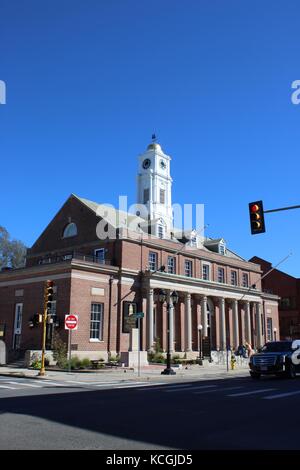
{"x":70,"y":230}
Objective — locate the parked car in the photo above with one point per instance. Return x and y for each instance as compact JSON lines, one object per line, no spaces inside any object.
{"x":276,"y":358}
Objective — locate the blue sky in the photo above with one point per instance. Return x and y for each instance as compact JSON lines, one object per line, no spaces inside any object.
{"x":88,"y":82}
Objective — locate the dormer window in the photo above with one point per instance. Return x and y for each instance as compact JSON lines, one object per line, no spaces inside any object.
{"x":193,"y":241}
{"x":70,"y":230}
{"x":222,"y":249}
{"x":160,"y":231}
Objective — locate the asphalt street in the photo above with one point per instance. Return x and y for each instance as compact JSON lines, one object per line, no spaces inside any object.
{"x":237,"y":413}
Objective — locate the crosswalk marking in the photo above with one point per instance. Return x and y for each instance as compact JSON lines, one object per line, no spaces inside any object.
{"x":11,"y":388}
{"x":281,"y":395}
{"x":252,"y":392}
{"x":25,"y":384}
{"x":90,"y":383}
{"x":48,"y":382}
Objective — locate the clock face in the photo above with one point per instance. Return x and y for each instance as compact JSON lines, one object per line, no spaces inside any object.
{"x":146,"y":163}
{"x":162,"y":164}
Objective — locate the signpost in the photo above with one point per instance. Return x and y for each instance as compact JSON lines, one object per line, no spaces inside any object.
{"x":71,"y":323}
{"x":138,"y":316}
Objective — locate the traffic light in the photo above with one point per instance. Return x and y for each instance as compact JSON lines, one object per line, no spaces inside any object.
{"x":257,"y":220}
{"x":48,"y":294}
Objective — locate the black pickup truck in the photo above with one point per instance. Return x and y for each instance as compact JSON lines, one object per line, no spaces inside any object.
{"x":276,"y":357}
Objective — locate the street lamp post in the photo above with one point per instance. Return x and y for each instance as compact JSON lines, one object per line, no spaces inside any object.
{"x":200,"y":344}
{"x":173,"y":300}
{"x":275,"y":331}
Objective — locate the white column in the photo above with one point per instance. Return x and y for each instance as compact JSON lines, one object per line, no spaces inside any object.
{"x":222,"y":323}
{"x":188,"y":322}
{"x":258,"y":325}
{"x":204,"y":315}
{"x":150,"y":320}
{"x":247,"y":322}
{"x":171,"y":321}
{"x":235,"y":323}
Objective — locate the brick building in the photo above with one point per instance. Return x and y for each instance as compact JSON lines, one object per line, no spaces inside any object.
{"x":288,"y":289}
{"x":104,"y":279}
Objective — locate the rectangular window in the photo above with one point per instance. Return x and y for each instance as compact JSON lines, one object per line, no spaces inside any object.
{"x":222,"y":250}
{"x":146,"y":196}
{"x":188,"y":268}
{"x":221,"y":275}
{"x":162,"y":197}
{"x":233,"y":278}
{"x":160,"y":231}
{"x":171,"y":265}
{"x":99,"y":256}
{"x":129,"y":308}
{"x":205,"y":272}
{"x":96,"y":325}
{"x":152,"y":261}
{"x":269,"y":329}
{"x":245,"y":280}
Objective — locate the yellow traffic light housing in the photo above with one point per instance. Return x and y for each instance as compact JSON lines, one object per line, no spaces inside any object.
{"x":257,"y":221}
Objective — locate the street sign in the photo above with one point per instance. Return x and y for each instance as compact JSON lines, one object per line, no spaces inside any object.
{"x":71,"y":322}
{"x":138,"y":315}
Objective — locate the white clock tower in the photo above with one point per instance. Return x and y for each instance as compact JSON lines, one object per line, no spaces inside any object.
{"x":154,"y":185}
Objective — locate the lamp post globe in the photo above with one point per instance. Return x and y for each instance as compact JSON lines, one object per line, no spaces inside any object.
{"x":200,"y":327}
{"x":275,"y":331}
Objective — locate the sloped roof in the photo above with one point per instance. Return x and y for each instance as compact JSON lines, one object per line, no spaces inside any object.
{"x":114,"y":217}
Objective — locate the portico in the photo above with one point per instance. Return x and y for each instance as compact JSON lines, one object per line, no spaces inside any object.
{"x":228,"y":318}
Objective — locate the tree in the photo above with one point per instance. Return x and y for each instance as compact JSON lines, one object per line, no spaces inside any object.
{"x":12,"y":252}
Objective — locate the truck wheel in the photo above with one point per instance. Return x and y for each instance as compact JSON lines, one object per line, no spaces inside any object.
{"x":255,"y":375}
{"x":291,"y":373}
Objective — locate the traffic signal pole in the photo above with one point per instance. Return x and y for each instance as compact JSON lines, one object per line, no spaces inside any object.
{"x":42,"y":370}
{"x":48,"y":297}
{"x":282,"y":209}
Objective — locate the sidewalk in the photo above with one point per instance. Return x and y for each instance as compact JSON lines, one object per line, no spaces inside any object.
{"x":151,"y":373}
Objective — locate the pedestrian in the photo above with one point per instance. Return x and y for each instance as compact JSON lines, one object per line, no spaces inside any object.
{"x":249,"y":349}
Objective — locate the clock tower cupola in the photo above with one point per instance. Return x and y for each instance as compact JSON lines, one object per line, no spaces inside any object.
{"x":154,"y":185}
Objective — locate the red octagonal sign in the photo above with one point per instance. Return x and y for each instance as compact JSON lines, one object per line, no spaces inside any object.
{"x":71,"y":322}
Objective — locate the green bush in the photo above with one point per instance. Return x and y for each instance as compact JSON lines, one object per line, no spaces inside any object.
{"x":36,"y":364}
{"x":176,"y":359}
{"x":113,"y":358}
{"x":59,"y":350}
{"x":75,"y":362}
{"x":85,"y":363}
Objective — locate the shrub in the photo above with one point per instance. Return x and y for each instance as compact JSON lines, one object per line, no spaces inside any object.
{"x":59,"y":350}
{"x":85,"y":363}
{"x":176,"y":359}
{"x":113,"y":358}
{"x":75,"y":362}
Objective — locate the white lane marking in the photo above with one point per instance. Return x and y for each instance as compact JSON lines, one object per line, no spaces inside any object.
{"x":48,"y":382}
{"x":25,"y":384}
{"x":218,"y":390}
{"x":135,"y":385}
{"x":281,"y":395}
{"x":189,"y":387}
{"x":11,"y":388}
{"x":252,"y":392}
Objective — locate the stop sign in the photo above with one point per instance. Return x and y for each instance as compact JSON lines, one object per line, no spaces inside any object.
{"x":71,"y":322}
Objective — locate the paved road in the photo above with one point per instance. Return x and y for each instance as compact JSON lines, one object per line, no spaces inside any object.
{"x":237,"y":413}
